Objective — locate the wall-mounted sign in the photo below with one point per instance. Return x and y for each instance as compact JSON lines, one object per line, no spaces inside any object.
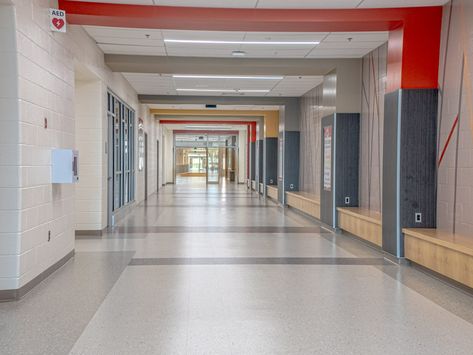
{"x":328,"y":158}
{"x":141,"y":145}
{"x":57,"y":20}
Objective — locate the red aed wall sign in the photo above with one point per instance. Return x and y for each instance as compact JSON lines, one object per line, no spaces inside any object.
{"x":57,"y":20}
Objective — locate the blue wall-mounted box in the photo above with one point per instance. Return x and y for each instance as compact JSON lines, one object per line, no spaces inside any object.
{"x":65,"y":166}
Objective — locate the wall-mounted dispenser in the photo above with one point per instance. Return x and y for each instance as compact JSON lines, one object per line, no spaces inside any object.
{"x":65,"y":166}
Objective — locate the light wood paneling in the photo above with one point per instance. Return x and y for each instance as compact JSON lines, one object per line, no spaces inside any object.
{"x":447,"y":254}
{"x":271,"y":124}
{"x":272,"y":192}
{"x":304,"y":202}
{"x":363,"y":223}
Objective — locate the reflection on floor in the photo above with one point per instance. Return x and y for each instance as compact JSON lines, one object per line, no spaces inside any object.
{"x":218,"y":270}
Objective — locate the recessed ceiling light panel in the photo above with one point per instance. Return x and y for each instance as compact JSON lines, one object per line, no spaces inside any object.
{"x":198,"y":41}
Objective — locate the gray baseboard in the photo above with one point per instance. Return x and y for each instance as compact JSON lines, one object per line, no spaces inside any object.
{"x":15,"y":295}
{"x":89,"y":234}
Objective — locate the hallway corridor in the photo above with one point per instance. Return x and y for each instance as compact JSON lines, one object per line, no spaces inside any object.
{"x":220,"y":270}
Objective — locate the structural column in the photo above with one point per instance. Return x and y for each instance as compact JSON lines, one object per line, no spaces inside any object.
{"x":289,"y":146}
{"x":410,"y":130}
{"x":271,"y":127}
{"x":340,"y":141}
{"x":340,"y":164}
{"x":409,"y":164}
{"x":252,"y":150}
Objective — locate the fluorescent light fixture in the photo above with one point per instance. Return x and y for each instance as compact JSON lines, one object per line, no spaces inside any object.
{"x":207,"y":90}
{"x":289,"y":43}
{"x":185,"y":76}
{"x":238,"y":53}
{"x":236,"y":91}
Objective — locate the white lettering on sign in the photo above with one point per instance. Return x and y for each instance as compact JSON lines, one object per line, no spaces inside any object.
{"x":328,"y":158}
{"x":57,"y":20}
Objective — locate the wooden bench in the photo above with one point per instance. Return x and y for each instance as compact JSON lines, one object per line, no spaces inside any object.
{"x":448,"y":254}
{"x":305,"y":202}
{"x":272,"y":192}
{"x":361,"y":222}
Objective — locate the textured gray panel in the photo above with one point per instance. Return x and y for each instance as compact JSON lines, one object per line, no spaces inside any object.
{"x":390,"y":158}
{"x":291,"y":161}
{"x":326,"y":197}
{"x":418,"y":157}
{"x":347,"y":159}
{"x":253,"y":160}
{"x":414,"y":147}
{"x":260,"y":160}
{"x":271,"y":161}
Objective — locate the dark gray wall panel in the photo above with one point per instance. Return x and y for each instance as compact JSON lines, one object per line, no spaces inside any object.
{"x":390,"y":178}
{"x":291,"y":161}
{"x":271,"y":161}
{"x":326,"y":197}
{"x":347,"y":159}
{"x":260,"y":160}
{"x":253,"y":160}
{"x":418,"y":157}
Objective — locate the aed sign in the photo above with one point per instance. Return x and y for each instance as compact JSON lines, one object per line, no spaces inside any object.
{"x":57,"y":20}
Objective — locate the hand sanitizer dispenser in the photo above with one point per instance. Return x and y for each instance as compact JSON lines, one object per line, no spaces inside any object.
{"x":65,"y":166}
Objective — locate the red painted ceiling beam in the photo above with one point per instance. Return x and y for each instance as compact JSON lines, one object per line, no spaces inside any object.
{"x":413,"y":46}
{"x":216,"y":133}
{"x":245,"y":123}
{"x":227,"y":19}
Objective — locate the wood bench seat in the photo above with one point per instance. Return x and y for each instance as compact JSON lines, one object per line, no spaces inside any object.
{"x":361,"y":222}
{"x":448,"y":254}
{"x":305,"y":202}
{"x":272,"y":192}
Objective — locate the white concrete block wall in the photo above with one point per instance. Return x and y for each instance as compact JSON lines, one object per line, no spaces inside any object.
{"x":10,"y":199}
{"x":151,"y":128}
{"x":242,"y":143}
{"x":89,"y":125}
{"x":168,"y":156}
{"x":37,"y":68}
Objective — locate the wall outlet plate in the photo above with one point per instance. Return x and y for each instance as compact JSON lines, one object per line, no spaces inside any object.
{"x":347,"y":200}
{"x":291,"y":186}
{"x":418,"y":217}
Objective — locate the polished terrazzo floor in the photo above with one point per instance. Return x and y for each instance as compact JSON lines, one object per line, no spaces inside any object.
{"x":220,"y":270}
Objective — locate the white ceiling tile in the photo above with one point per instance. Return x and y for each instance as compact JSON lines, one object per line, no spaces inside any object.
{"x":338,"y":53}
{"x":137,"y":50}
{"x":307,"y":4}
{"x":285,"y":36}
{"x":199,"y":52}
{"x":204,"y":35}
{"x":130,"y":41}
{"x":356,"y":37}
{"x":349,"y":45}
{"x":167,"y":85}
{"x":123,"y":32}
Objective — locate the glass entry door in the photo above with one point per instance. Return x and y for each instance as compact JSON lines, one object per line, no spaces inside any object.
{"x":213,"y":167}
